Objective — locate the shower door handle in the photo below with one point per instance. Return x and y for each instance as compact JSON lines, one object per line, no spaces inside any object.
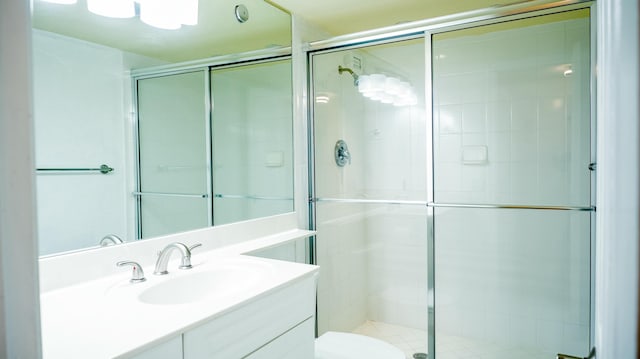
{"x":592,"y":354}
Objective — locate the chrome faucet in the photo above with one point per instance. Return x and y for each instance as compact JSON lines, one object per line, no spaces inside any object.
{"x":109,"y":240}
{"x":137,"y":274}
{"x":163,"y":258}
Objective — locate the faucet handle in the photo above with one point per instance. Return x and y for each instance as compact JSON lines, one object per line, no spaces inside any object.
{"x":186,"y":259}
{"x":137,"y":274}
{"x":185,"y":263}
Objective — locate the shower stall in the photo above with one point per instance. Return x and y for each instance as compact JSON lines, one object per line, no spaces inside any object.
{"x":452,"y":184}
{"x":208,"y":152}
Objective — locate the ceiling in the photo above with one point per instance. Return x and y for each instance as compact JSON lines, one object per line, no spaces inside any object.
{"x":219,"y":33}
{"x":338,"y":17}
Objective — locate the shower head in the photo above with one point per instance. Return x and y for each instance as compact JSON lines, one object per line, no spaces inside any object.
{"x":353,"y":74}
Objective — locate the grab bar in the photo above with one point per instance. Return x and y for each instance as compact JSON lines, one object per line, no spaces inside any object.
{"x":239,"y":196}
{"x":166,"y":194}
{"x":104,"y":169}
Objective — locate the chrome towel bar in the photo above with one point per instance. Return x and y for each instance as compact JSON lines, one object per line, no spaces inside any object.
{"x":104,"y":169}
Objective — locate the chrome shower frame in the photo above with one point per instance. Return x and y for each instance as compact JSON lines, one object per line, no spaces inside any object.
{"x":425,"y":29}
{"x":205,"y":65}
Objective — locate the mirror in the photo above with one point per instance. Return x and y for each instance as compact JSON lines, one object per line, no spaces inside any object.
{"x":85,"y":117}
{"x":248,"y":143}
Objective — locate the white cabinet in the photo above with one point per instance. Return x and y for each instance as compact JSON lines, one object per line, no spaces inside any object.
{"x":267,"y":323}
{"x":297,"y":343}
{"x":279,"y":324}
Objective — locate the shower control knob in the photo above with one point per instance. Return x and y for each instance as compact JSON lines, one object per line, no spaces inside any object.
{"x":342,"y":155}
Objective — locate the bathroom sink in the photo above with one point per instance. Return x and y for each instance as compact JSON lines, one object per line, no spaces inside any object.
{"x":199,"y":285}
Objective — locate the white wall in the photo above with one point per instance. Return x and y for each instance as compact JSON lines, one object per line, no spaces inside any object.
{"x":80,"y":119}
{"x":19,"y":299}
{"x":82,"y":109}
{"x":618,"y":232}
{"x":302,"y":32}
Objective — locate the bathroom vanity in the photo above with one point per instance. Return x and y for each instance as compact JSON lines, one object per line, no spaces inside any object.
{"x":228,"y":305}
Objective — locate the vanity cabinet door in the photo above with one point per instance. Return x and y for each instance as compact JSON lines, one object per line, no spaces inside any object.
{"x":167,"y":350}
{"x":243,"y":331}
{"x":297,"y":343}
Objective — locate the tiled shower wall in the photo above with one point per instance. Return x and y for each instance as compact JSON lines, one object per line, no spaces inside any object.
{"x":341,"y":244}
{"x":373,"y":257}
{"x":509,"y":128}
{"x":506,"y":92}
{"x":512,"y":126}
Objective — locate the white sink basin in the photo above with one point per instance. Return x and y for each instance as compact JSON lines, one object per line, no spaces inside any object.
{"x":199,"y":284}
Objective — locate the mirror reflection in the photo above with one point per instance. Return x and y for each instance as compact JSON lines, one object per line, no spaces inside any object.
{"x":248,"y":144}
{"x":106,"y":140}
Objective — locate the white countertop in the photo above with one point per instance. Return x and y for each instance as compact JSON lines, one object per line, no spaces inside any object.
{"x":103,"y":318}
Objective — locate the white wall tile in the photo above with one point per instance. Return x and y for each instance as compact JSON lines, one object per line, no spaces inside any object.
{"x":498,"y":85}
{"x":474,"y":118}
{"x":522,"y":331}
{"x":472,"y":87}
{"x":524,"y":115}
{"x":499,"y":147}
{"x":549,"y":335}
{"x":450,"y":119}
{"x":450,"y":147}
{"x":575,"y":338}
{"x":499,"y":116}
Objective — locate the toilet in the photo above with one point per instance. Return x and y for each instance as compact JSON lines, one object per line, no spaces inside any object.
{"x":337,"y":345}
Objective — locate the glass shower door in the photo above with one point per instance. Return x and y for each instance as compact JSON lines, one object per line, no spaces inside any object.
{"x":252,"y":135}
{"x":370,"y":158}
{"x":512,"y":188}
{"x":173,"y":140}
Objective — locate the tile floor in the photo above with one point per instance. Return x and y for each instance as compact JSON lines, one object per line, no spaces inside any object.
{"x":413,"y":341}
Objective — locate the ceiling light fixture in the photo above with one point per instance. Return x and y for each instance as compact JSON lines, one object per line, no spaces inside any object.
{"x":162,"y":14}
{"x":189,"y":12}
{"x":169,"y":14}
{"x":112,"y":8}
{"x":382,"y":88}
{"x":64,"y":2}
{"x":568,"y":72}
{"x":322,"y":99}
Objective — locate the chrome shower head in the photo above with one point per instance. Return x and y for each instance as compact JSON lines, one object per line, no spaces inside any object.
{"x":353,"y":74}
